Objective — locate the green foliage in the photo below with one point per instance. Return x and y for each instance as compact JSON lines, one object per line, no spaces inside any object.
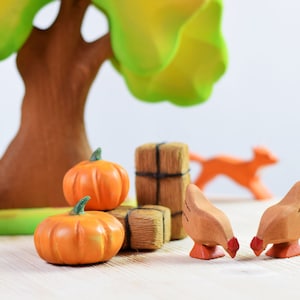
{"x":198,"y":60}
{"x":16,"y":18}
{"x":165,"y":49}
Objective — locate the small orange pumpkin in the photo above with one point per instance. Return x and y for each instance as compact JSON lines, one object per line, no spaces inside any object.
{"x":79,"y":237}
{"x":106,"y":182}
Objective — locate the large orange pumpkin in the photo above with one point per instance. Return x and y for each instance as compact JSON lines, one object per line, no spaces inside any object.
{"x":106,"y":182}
{"x":79,"y":237}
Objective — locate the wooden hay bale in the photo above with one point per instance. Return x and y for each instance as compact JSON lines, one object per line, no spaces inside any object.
{"x":146,"y":228}
{"x":162,"y":175}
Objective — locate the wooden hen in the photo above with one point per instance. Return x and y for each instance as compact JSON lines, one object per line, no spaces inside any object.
{"x":208,"y":226}
{"x":280,"y":226}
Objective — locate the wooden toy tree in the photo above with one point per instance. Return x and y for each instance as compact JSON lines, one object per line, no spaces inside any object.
{"x":166,"y":50}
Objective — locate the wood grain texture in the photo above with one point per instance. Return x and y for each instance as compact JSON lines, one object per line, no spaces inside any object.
{"x":167,"y":273}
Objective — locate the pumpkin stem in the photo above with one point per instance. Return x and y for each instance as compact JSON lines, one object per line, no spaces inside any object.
{"x":96,"y":155}
{"x":78,"y":209}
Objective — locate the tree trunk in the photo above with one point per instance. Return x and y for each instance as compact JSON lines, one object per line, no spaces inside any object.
{"x":58,"y":68}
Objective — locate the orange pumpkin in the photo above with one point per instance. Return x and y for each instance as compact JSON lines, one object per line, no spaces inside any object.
{"x":106,"y":182}
{"x":79,"y":237}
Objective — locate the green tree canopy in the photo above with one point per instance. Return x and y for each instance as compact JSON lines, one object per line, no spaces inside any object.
{"x":166,"y":50}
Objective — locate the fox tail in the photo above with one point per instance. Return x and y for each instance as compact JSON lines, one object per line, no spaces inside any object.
{"x":196,"y":158}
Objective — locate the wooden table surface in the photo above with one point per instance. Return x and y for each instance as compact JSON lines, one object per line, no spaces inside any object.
{"x":168,"y":273}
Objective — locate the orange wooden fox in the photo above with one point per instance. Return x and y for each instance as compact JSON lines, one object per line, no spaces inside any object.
{"x":243,"y":172}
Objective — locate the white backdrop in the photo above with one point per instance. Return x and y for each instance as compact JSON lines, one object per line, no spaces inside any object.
{"x":255,"y":103}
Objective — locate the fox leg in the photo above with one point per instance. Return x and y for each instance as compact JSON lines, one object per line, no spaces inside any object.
{"x":202,"y":179}
{"x":259,"y":191}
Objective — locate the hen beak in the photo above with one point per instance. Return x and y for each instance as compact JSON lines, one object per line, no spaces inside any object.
{"x":257,"y":245}
{"x":232,"y":247}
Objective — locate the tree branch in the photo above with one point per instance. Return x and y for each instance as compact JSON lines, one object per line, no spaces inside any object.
{"x":71,"y":14}
{"x":100,"y":50}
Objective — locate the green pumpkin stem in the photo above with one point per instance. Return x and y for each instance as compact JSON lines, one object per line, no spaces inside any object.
{"x":78,"y":209}
{"x":96,"y":155}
